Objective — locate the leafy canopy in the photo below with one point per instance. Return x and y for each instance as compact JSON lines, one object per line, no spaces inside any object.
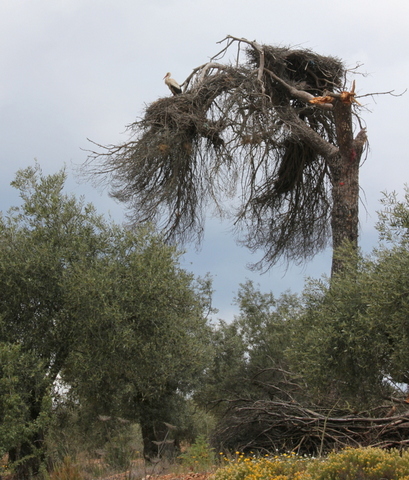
{"x":91,"y":305}
{"x":353,"y":339}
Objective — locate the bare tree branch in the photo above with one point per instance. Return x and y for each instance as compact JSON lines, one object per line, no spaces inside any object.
{"x":267,"y":132}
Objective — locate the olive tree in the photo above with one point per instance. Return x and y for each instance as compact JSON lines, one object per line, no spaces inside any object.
{"x":351,"y":342}
{"x":90,"y":304}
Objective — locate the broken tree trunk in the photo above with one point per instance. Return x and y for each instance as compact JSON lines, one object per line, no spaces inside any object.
{"x":344,"y":170}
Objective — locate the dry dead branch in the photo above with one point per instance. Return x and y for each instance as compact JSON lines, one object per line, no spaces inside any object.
{"x":258,"y":133}
{"x":289,"y":426}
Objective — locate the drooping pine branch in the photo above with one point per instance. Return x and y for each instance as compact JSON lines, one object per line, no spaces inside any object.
{"x":261,"y":141}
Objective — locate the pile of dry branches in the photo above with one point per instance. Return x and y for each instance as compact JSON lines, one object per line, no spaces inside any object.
{"x":288,"y":426}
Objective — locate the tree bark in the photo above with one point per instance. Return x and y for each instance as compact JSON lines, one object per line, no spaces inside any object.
{"x":155,"y":431}
{"x":344,"y":170}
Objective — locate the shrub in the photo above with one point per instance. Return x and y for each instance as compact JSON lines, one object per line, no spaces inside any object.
{"x":199,"y":456}
{"x":362,"y":464}
{"x":356,"y":464}
{"x":280,"y":467}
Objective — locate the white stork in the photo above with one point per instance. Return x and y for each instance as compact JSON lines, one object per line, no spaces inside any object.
{"x":173,"y":85}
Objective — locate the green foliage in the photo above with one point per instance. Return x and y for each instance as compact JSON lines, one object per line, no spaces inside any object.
{"x":119,"y":452}
{"x":280,"y":467}
{"x":197,"y":421}
{"x":338,"y":348}
{"x":250,"y":362}
{"x":105,"y":312}
{"x":142,"y":310}
{"x":21,"y":385}
{"x":42,"y":243}
{"x":227,"y":366}
{"x":352,"y":340}
{"x":359,"y":464}
{"x":199,"y":456}
{"x":250,"y":357}
{"x":393,"y":220}
{"x":362,"y":463}
{"x":262,"y":325}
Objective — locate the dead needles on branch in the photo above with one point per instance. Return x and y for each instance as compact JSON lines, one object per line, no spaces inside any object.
{"x":246,"y":132}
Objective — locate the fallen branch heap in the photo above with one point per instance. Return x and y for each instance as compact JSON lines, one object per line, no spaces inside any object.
{"x":288,"y":426}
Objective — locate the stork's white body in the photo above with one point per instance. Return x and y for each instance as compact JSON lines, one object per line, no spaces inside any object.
{"x":173,"y":85}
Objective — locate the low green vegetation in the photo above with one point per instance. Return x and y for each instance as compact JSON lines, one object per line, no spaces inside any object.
{"x":199,"y":456}
{"x":349,"y":464}
{"x":96,"y":321}
{"x":109,"y":359}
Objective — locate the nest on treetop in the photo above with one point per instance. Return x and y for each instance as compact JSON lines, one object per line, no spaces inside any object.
{"x":183,"y":120}
{"x":301,"y":68}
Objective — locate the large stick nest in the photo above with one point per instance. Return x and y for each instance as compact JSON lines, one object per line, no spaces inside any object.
{"x":236,"y":129}
{"x":302,"y":68}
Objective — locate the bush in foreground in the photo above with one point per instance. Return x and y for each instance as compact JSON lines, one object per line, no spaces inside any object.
{"x":356,"y":464}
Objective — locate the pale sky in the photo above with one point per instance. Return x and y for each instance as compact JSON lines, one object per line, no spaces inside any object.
{"x":77,"y":69}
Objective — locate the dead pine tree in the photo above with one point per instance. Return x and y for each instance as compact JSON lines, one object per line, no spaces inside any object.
{"x":275,"y":141}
